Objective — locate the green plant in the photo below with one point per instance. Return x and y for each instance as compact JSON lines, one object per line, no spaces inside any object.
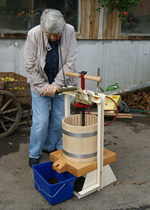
{"x":122,"y":6}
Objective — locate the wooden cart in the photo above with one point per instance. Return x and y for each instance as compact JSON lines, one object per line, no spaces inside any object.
{"x":15,"y":96}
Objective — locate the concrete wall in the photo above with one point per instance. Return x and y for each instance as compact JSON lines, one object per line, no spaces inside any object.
{"x":11,"y":56}
{"x":124,"y":62}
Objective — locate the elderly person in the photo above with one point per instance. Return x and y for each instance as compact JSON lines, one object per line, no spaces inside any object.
{"x":50,"y":50}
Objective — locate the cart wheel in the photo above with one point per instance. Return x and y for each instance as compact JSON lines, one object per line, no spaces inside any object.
{"x":10,"y":113}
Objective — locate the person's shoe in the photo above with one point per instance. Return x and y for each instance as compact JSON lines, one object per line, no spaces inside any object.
{"x":33,"y":161}
{"x":43,"y":150}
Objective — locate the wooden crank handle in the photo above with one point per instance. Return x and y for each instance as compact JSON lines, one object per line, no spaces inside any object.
{"x":67,"y":73}
{"x":60,"y":166}
{"x":97,"y":79}
{"x":88,"y":77}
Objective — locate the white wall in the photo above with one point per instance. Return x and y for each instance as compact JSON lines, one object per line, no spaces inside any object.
{"x":11,"y":56}
{"x":124,"y":62}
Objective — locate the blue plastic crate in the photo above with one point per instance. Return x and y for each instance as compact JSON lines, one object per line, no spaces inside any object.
{"x":54,"y":193}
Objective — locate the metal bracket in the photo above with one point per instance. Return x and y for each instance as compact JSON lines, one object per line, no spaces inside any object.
{"x":80,"y":97}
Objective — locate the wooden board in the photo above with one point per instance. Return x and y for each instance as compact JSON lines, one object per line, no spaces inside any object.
{"x":78,"y":169}
{"x":119,"y":115}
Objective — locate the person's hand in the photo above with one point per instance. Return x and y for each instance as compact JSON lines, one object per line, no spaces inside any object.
{"x":50,"y":90}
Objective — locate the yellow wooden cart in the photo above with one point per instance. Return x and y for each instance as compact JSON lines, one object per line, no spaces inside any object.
{"x":15,"y":96}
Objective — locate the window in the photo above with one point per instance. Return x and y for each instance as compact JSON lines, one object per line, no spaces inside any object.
{"x":138,"y":19}
{"x":18,"y":16}
{"x":14,"y":15}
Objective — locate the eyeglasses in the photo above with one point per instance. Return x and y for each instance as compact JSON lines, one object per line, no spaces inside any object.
{"x":53,"y":37}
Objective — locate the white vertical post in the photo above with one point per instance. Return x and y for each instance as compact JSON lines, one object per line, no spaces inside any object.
{"x":100,"y":142}
{"x":67,"y":105}
{"x":99,"y":145}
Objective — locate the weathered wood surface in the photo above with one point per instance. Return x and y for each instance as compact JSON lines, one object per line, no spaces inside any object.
{"x":89,"y":20}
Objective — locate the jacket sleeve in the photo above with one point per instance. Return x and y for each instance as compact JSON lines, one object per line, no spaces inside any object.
{"x":69,"y":64}
{"x":36,"y":80}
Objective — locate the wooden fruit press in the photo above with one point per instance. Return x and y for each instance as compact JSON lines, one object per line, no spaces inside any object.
{"x":83,"y":152}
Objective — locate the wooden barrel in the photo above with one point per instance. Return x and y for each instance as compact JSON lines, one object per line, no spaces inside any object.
{"x":80,"y":142}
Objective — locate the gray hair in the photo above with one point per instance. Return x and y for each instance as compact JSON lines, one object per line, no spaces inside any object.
{"x":52,"y":21}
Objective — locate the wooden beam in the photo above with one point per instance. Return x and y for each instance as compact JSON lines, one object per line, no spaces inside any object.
{"x":79,"y":169}
{"x":119,"y":115}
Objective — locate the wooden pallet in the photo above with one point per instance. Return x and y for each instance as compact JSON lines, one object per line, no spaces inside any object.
{"x":78,"y":169}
